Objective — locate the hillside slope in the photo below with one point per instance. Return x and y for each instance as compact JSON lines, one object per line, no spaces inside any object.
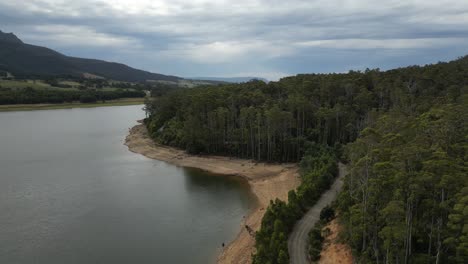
{"x":24,"y":59}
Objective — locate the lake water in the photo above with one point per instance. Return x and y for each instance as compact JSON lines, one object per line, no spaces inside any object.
{"x":71,"y":192}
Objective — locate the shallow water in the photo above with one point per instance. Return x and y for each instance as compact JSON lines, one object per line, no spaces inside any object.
{"x":71,"y":192}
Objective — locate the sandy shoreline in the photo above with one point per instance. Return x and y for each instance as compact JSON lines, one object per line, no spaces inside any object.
{"x":267,"y":182}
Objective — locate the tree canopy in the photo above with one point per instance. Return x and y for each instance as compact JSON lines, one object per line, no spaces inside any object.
{"x":404,"y":133}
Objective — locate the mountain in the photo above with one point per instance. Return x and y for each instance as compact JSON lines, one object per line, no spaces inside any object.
{"x":229,"y":79}
{"x":24,"y":59}
{"x":10,"y":38}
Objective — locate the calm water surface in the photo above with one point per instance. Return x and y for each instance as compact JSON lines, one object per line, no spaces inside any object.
{"x":71,"y":192}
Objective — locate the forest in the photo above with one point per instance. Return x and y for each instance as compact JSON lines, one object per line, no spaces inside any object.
{"x":406,"y":200}
{"x":40,"y":96}
{"x":403,"y":133}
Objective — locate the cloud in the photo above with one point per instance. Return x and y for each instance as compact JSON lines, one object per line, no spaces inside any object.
{"x":199,"y":37}
{"x":80,"y":36}
{"x":229,"y":51}
{"x":365,"y":44}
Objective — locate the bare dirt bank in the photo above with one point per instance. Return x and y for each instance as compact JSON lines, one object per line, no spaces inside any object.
{"x":267,"y":182}
{"x":334,"y":251}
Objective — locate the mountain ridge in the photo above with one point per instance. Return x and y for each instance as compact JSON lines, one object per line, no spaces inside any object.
{"x":24,"y":59}
{"x":9,"y":37}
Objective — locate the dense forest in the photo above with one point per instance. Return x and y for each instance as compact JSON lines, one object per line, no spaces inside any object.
{"x":405,"y":131}
{"x":273,"y":121}
{"x":39,"y":96}
{"x":406,"y":199}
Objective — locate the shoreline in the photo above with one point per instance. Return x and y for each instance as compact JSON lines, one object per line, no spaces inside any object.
{"x":266,"y":181}
{"x":32,"y":107}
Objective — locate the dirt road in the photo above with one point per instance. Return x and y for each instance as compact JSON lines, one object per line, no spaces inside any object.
{"x":297,"y":243}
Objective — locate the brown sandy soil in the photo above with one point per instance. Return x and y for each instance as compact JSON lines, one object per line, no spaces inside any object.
{"x":267,"y":182}
{"x":333,"y":251}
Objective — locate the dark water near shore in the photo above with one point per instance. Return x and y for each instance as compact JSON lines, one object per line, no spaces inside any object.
{"x":71,"y":192}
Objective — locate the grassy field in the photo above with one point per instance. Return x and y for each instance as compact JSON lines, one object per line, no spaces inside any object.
{"x":15,"y":84}
{"x":71,"y":83}
{"x":30,"y":107}
{"x":39,"y":85}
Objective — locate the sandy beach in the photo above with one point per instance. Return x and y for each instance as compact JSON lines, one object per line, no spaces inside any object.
{"x":267,"y":182}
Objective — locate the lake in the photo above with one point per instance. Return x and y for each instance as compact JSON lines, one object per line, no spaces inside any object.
{"x":71,"y":192}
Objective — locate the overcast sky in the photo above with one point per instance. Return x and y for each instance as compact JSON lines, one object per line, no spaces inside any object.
{"x":264,"y":38}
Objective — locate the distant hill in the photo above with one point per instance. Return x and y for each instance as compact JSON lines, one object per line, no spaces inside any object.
{"x":25,"y":59}
{"x":229,"y":79}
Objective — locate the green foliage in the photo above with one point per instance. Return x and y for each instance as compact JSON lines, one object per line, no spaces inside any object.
{"x":405,"y":132}
{"x":317,"y":170}
{"x":273,"y":121}
{"x":315,"y":241}
{"x":88,"y":98}
{"x":405,"y":199}
{"x":457,"y":225}
{"x":35,"y":96}
{"x":327,"y":214}
{"x":316,"y":237}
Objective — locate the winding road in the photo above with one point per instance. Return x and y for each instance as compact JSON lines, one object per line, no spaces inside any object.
{"x":297,"y":243}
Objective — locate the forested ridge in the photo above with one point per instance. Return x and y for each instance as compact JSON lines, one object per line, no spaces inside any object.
{"x":273,"y":121}
{"x":406,"y":200}
{"x":405,"y":131}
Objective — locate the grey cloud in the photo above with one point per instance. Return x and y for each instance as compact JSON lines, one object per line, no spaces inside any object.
{"x":232,"y":37}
